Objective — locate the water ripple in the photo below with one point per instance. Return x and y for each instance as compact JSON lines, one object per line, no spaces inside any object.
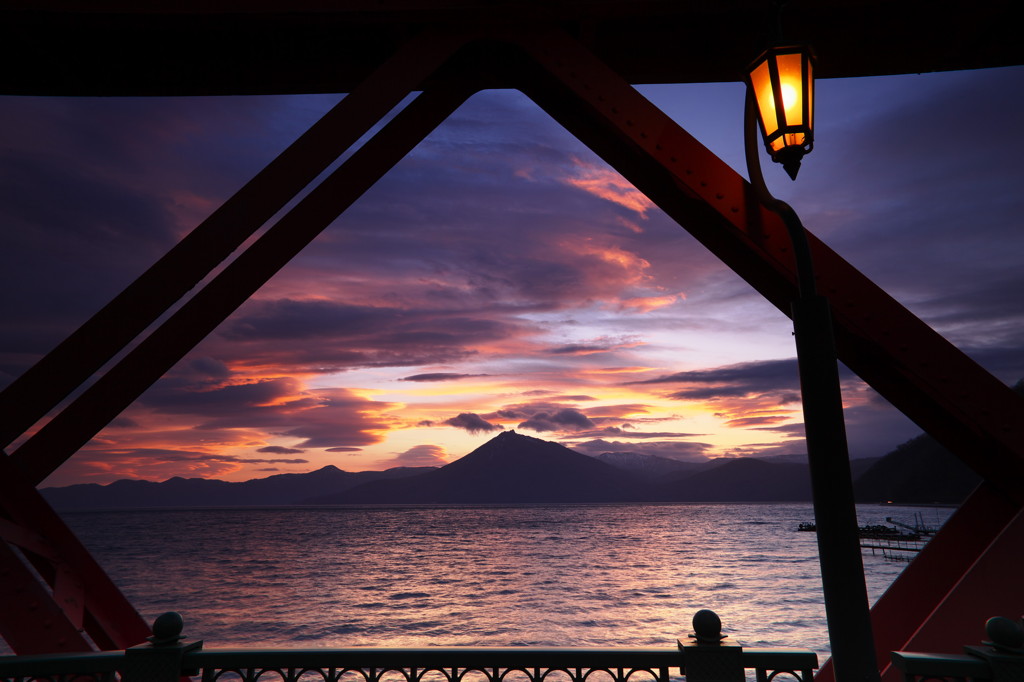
{"x":531,"y":575}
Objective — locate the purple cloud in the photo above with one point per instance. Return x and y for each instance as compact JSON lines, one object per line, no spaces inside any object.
{"x":685,"y":451}
{"x":278,"y":450}
{"x":473,"y":423}
{"x":441,"y":376}
{"x":566,"y":419}
{"x":778,"y":378}
{"x":425,"y":455}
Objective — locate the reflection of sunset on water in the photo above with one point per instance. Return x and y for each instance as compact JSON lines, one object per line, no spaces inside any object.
{"x":523,"y":575}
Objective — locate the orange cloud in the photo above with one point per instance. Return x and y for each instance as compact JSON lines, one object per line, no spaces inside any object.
{"x":630,"y":225}
{"x":608,"y":185}
{"x":646,"y":304}
{"x":762,"y":420}
{"x":612,"y":266}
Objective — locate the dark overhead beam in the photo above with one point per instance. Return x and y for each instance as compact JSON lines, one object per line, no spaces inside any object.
{"x":193,"y":48}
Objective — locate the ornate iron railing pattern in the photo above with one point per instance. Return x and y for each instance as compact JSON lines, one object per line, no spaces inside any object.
{"x":167,"y":658}
{"x":459,"y":664}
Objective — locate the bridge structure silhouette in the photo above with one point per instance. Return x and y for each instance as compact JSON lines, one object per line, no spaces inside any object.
{"x":578,"y":61}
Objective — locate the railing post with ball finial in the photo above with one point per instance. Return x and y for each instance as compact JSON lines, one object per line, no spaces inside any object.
{"x":705,"y":657}
{"x":160,"y":660}
{"x":1003,"y":650}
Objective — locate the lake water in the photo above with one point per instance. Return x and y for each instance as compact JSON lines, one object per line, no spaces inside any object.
{"x":544,"y":575}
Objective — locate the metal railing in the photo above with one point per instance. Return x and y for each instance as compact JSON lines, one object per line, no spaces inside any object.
{"x":1000,"y":659}
{"x":168,"y":658}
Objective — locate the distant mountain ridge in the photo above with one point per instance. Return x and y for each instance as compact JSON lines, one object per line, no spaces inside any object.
{"x":513,"y":468}
{"x":277,"y":490}
{"x":652,"y":467}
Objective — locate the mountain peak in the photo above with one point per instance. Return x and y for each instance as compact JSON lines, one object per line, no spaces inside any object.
{"x":509,"y":446}
{"x":511,"y":468}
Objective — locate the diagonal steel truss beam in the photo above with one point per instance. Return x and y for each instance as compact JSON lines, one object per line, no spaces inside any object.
{"x":935,"y":604}
{"x":77,"y":423}
{"x":74,"y":361}
{"x":934,"y":383}
{"x":74,"y":596}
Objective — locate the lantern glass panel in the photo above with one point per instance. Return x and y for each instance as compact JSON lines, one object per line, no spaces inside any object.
{"x":760,"y":79}
{"x":809,"y":65}
{"x":792,"y":84}
{"x":788,"y":140}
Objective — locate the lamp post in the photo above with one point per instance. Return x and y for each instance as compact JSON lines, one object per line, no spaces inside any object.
{"x":780,"y":89}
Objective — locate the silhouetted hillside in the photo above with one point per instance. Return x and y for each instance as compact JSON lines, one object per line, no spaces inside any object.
{"x":651,"y":467}
{"x":512,"y":468}
{"x":508,"y":468}
{"x":857,"y":466}
{"x":281,"y":489}
{"x":743,"y":479}
{"x":919,"y":471}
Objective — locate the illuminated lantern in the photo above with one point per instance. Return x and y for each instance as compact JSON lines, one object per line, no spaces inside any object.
{"x":782,"y":80}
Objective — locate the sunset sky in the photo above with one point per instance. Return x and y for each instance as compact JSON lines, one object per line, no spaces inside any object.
{"x":502,"y":276}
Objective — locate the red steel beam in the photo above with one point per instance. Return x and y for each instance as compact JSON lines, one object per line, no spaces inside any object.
{"x":76,"y":359}
{"x":77,"y":423}
{"x":80,"y":596}
{"x":31,"y":622}
{"x":975,"y":536}
{"x":992,"y":586}
{"x":950,"y":396}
